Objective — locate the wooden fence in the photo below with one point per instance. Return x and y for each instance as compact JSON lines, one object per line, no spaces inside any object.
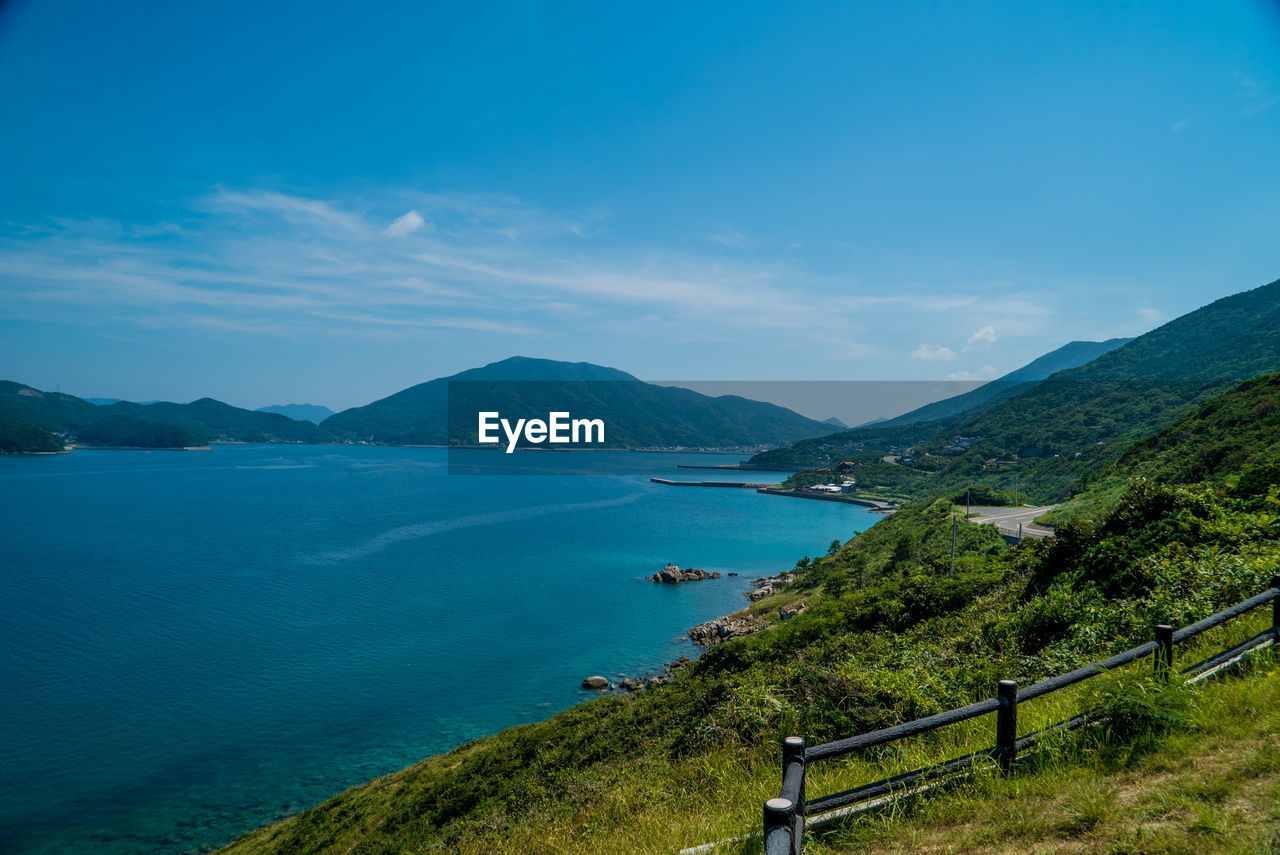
{"x":787,"y":817}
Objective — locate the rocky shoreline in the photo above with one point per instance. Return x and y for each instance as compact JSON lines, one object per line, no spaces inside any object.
{"x":723,"y":628}
{"x":635,"y":684}
{"x":704,"y":634}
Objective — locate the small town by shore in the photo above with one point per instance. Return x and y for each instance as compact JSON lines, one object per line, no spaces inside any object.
{"x":843,"y":492}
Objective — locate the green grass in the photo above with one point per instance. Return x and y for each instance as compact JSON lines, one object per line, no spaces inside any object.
{"x":1208,"y":786}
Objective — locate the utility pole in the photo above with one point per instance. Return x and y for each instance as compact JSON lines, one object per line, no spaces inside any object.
{"x":966,"y":503}
{"x":953,"y":542}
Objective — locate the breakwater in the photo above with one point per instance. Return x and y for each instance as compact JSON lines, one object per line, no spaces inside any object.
{"x":749,"y":467}
{"x":670,"y":483}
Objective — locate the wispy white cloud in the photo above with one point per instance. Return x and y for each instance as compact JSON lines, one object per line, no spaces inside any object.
{"x":984,"y":337}
{"x":986,"y":372}
{"x":404,"y":263}
{"x":405,"y":224}
{"x":730,"y":237}
{"x":933,"y":352}
{"x":1259,"y":95}
{"x":1150,"y":316}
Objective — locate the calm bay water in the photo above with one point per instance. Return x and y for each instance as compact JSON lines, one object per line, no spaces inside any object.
{"x":195,"y":643}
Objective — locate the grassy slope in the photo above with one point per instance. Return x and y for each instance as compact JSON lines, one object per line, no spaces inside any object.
{"x":1211,"y":785}
{"x":1231,"y":440}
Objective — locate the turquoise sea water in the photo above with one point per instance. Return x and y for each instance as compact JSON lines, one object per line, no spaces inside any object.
{"x":195,"y":643}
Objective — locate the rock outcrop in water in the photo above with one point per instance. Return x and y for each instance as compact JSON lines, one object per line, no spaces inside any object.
{"x":671,"y":574}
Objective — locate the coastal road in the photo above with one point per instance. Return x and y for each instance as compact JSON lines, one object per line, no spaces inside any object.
{"x":1007,"y":520}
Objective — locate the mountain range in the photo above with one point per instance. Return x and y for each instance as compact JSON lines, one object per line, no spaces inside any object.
{"x":313,"y":413}
{"x":1048,"y":424}
{"x":1051,"y":435}
{"x":637,"y":414}
{"x":1070,"y":355}
{"x":198,"y":422}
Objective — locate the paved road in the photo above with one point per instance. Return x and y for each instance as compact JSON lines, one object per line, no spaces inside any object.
{"x":1008,"y":519}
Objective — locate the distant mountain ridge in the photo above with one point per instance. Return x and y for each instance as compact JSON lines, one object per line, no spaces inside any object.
{"x":102,"y":402}
{"x":1070,"y":355}
{"x":639,"y":414}
{"x":314,"y":413}
{"x":206,"y":419}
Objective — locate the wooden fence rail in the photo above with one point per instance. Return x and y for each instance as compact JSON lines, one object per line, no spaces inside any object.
{"x":788,"y":816}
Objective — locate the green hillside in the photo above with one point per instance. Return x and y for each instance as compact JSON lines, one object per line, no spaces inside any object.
{"x":54,"y":411}
{"x":889,"y":633}
{"x":22,"y":438}
{"x":1235,"y":434}
{"x":220,"y":421}
{"x":1232,"y":440}
{"x":1074,"y":424}
{"x":1207,"y":780}
{"x":637,"y":414}
{"x":128,"y":432}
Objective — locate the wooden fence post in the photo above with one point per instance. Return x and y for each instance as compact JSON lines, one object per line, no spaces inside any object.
{"x":1164,"y":652}
{"x":778,"y":813}
{"x":793,"y":755}
{"x":1275,"y":607}
{"x":1007,"y":724}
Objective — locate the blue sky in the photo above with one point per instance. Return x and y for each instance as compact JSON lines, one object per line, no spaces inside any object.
{"x":268,"y":202}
